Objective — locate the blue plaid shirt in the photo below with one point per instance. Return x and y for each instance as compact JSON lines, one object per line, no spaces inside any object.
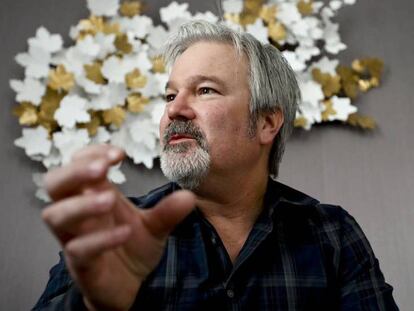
{"x":300,"y":255}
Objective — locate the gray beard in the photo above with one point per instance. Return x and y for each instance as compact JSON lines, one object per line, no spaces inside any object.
{"x":184,"y":166}
{"x":185,"y":163}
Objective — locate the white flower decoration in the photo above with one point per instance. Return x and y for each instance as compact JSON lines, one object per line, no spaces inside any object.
{"x":72,"y":110}
{"x":35,"y":141}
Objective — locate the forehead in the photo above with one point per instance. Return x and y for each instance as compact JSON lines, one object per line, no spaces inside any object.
{"x":211,"y":59}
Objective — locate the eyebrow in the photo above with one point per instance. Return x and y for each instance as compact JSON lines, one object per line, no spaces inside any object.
{"x":198,"y":79}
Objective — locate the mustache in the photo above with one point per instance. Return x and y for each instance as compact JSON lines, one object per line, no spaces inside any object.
{"x":180,"y":127}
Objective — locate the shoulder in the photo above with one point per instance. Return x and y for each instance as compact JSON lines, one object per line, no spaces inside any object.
{"x":154,"y":196}
{"x":301,"y":212}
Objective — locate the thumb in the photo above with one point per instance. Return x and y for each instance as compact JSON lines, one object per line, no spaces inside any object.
{"x":162,"y":218}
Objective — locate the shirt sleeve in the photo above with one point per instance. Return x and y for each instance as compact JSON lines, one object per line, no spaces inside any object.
{"x":60,"y":292}
{"x":362,"y":284}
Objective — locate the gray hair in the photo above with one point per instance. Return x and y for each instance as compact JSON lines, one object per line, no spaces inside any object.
{"x":272,"y":81}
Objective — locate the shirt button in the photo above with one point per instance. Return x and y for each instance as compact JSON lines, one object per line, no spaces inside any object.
{"x":230,"y":293}
{"x":213,"y":240}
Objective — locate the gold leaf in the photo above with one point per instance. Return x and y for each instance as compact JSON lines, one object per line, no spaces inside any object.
{"x":122,"y":44}
{"x":93,"y":125}
{"x":27,"y":114}
{"x":331,"y":85}
{"x":60,"y":79}
{"x":130,"y":9}
{"x":364,"y":85}
{"x":50,"y":102}
{"x":248,"y":18}
{"x":361,"y":121}
{"x":136,"y":102}
{"x":253,"y":6}
{"x":349,"y":81}
{"x":300,"y":122}
{"x":234,"y":18}
{"x":369,"y":66}
{"x":329,"y":111}
{"x":134,"y":79}
{"x":94,"y":73}
{"x":158,"y":65}
{"x":374,"y":82}
{"x":90,"y":26}
{"x":268,"y":13}
{"x":276,"y":31}
{"x":305,"y":7}
{"x":112,"y":28}
{"x":115,"y":116}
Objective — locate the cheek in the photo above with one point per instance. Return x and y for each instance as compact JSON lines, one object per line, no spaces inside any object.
{"x":163,"y":125}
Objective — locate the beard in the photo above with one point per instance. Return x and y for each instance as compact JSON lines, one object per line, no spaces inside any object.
{"x":185,"y":163}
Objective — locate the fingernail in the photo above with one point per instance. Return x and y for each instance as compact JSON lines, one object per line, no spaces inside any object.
{"x":113,"y":154}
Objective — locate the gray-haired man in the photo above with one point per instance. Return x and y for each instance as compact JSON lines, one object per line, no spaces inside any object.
{"x":251,"y":243}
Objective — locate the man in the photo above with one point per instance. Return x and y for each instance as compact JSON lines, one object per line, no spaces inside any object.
{"x":251,"y":243}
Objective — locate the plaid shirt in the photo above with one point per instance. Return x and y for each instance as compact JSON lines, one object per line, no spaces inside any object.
{"x":300,"y":255}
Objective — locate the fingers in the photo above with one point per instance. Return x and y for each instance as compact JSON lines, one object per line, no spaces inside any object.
{"x":89,"y":166}
{"x":162,"y":219}
{"x":82,"y":250}
{"x":64,"y":217}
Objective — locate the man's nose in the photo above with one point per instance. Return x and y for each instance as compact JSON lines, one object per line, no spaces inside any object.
{"x":181,"y":107}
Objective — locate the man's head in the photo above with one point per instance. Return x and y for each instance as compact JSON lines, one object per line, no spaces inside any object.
{"x":216,"y":70}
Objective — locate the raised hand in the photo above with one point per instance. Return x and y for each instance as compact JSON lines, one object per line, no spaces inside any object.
{"x":110,"y":246}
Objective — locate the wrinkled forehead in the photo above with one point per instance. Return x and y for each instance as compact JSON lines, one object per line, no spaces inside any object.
{"x":210,"y":58}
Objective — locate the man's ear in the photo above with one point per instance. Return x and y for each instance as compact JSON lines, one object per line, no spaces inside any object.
{"x":270,"y":125}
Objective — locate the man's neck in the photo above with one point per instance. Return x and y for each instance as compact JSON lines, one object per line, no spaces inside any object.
{"x":232,"y":207}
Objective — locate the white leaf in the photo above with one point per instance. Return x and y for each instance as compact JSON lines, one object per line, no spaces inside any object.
{"x":138,"y":60}
{"x":343,"y":108}
{"x":44,"y":40}
{"x":296,"y":64}
{"x":206,"y":16}
{"x":157,"y":37}
{"x":112,"y":94}
{"x":333,"y":42}
{"x":88,"y":47}
{"x":312,"y":95}
{"x":102,"y":136}
{"x":232,"y":6}
{"x":36,"y":62}
{"x":349,"y":2}
{"x":115,"y":175}
{"x":326,"y":65}
{"x":335,"y":4}
{"x":35,"y":141}
{"x":29,"y":90}
{"x":72,"y":110}
{"x":288,"y":13}
{"x":155,"y":85}
{"x":106,"y":44}
{"x":174,"y":11}
{"x":88,"y":85}
{"x":114,"y":70}
{"x":305,"y":53}
{"x":53,"y":159}
{"x":145,"y":132}
{"x":69,"y":141}
{"x":139,"y":25}
{"x":41,"y":192}
{"x":103,"y":7}
{"x":258,"y":30}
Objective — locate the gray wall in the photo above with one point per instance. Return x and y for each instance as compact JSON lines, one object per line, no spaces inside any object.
{"x":371,"y":175}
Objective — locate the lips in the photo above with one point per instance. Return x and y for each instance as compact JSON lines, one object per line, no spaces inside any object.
{"x":176,"y":138}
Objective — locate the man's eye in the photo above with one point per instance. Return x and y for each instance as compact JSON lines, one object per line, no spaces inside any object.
{"x":206,"y":90}
{"x":169,"y":97}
